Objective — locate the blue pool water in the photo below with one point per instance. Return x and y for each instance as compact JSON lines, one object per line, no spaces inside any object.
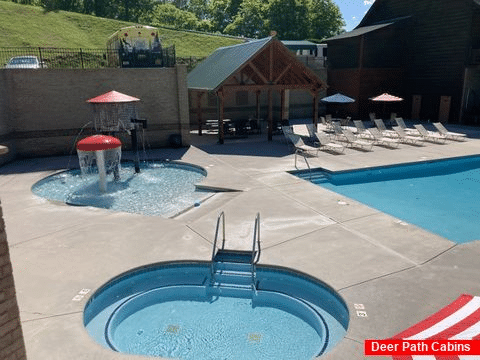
{"x":440,"y":196}
{"x":169,"y":310}
{"x":161,"y":188}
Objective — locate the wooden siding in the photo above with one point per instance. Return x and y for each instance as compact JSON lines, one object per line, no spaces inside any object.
{"x":436,"y":45}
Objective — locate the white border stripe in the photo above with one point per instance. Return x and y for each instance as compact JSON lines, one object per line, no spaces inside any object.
{"x":449,"y":321}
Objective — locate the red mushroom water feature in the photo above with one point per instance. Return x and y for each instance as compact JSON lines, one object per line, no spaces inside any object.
{"x":105,"y":150}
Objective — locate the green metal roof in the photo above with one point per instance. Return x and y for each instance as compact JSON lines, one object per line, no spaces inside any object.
{"x":359,"y":31}
{"x":225,"y":61}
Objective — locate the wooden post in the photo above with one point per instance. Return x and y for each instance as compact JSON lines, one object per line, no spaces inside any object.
{"x":270,"y":115}
{"x":199,"y":112}
{"x":258,"y":103}
{"x":221,"y":134}
{"x":315,"y":107}
{"x":282,"y":105}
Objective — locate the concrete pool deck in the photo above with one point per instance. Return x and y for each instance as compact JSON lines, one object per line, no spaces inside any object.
{"x":390,"y":274}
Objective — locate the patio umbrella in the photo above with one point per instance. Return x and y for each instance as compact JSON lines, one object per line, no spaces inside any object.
{"x":338,"y":99}
{"x":459,"y":320}
{"x":386,"y":98}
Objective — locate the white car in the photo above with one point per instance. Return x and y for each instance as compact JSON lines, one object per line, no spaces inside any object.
{"x":24,"y":62}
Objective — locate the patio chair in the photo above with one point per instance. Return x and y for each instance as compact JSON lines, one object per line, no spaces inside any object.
{"x":429,"y":135}
{"x":383,"y":129}
{"x":372,"y":116}
{"x":449,"y":134}
{"x":287,"y":131}
{"x":383,"y":140}
{"x":339,"y":134}
{"x":353,"y":141}
{"x":362,"y":130}
{"x":301,"y":147}
{"x":409,"y":131}
{"x":312,"y":130}
{"x":405,"y":138}
{"x":327,"y":144}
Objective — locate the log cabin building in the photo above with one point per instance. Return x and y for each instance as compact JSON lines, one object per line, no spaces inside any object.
{"x":425,"y":51}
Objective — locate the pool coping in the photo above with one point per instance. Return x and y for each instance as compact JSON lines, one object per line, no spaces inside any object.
{"x":389,"y":288}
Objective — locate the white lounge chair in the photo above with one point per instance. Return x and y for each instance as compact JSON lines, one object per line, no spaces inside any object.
{"x":449,"y":134}
{"x":353,"y":141}
{"x":383,"y":140}
{"x":405,"y":138}
{"x":362,"y":130}
{"x":383,"y":129}
{"x":287,"y":131}
{"x":409,"y":131}
{"x":301,"y":147}
{"x":339,"y":134}
{"x":325,"y":143}
{"x":429,"y":135}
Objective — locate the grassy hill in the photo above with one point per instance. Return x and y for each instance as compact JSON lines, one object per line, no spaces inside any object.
{"x":23,"y":25}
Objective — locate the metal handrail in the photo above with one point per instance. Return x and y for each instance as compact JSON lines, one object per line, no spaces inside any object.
{"x":298,"y":151}
{"x":221,"y":216}
{"x":255,"y":256}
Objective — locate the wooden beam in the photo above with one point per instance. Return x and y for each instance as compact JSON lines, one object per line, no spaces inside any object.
{"x":256,"y":71}
{"x":282,"y":105}
{"x":199,"y":112}
{"x":257,"y":93}
{"x":270,"y":115}
{"x":282,"y":73}
{"x":221,"y":134}
{"x":276,"y":87}
{"x":270,"y":75}
{"x":315,"y":107}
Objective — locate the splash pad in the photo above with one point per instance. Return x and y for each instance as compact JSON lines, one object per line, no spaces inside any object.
{"x":103,"y":151}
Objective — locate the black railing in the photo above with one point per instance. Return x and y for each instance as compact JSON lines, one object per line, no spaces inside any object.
{"x":63,"y":58}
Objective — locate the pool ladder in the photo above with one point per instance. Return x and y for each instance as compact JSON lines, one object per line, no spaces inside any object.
{"x":234,"y":270}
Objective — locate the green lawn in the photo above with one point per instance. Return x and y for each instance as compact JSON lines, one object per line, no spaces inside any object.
{"x":23,"y":25}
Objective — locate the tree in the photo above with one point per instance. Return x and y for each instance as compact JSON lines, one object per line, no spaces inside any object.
{"x":169,"y":14}
{"x":324,"y":19}
{"x":291,"y":19}
{"x":249,"y":21}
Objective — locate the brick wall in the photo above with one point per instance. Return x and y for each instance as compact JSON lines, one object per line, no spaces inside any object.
{"x":43,"y":111}
{"x":12,"y":346}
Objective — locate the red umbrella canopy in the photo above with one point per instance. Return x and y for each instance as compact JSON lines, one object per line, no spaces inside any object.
{"x":386,"y":97}
{"x":112,"y":97}
{"x":98,"y":142}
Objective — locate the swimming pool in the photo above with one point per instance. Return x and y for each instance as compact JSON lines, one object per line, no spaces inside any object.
{"x":161,"y":188}
{"x":171,"y":310}
{"x":440,"y":196}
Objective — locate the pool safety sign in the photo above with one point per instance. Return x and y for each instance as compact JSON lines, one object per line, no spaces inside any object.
{"x":404,"y":347}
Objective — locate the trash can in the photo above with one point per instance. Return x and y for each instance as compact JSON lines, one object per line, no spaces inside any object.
{"x":175,"y":140}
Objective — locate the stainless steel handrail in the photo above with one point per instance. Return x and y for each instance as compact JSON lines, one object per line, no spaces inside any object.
{"x":255,"y":255}
{"x":304,"y":158}
{"x":221,"y":216}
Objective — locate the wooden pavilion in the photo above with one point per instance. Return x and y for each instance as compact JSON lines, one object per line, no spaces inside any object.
{"x":255,"y":66}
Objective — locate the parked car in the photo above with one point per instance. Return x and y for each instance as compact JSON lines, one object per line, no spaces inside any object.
{"x":24,"y":62}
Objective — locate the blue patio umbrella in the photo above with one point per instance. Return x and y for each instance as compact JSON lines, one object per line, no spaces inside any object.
{"x":338,"y":99}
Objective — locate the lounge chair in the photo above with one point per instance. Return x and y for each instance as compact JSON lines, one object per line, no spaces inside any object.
{"x":383,"y":129}
{"x":405,"y":138}
{"x":409,"y":131}
{"x":327,"y":144}
{"x":339,"y":135}
{"x":383,"y":140}
{"x":353,"y":141}
{"x":372,"y":116}
{"x":449,"y":134}
{"x":362,"y":130}
{"x":312,"y":130}
{"x":429,"y":135}
{"x":301,"y":147}
{"x":287,"y":131}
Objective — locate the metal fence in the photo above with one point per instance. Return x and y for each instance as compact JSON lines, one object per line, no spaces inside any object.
{"x":62,"y":58}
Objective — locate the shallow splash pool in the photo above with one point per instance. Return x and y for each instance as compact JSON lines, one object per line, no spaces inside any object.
{"x":161,"y":188}
{"x":172,"y":311}
{"x":440,"y":196}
